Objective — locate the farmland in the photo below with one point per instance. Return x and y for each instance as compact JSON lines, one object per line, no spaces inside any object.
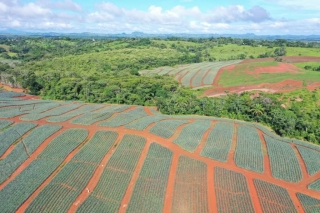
{"x":71,"y":157}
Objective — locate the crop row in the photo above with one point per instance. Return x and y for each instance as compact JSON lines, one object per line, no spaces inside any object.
{"x":315,"y":185}
{"x":112,"y":185}
{"x":64,"y":143}
{"x":57,"y":111}
{"x":208,"y":80}
{"x":219,"y":142}
{"x":25,"y":148}
{"x":166,"y":128}
{"x":74,"y":113}
{"x":283,"y":160}
{"x":125,"y":118}
{"x":190,"y":193}
{"x":18,"y":190}
{"x":248,"y":153}
{"x":10,"y":94}
{"x":232,"y":191}
{"x":311,"y":159}
{"x":66,"y":186}
{"x":273,"y":198}
{"x":10,"y":135}
{"x":4,"y":124}
{"x":144,"y":122}
{"x":150,"y":189}
{"x":92,"y":117}
{"x":191,"y":135}
{"x":310,"y":204}
{"x":10,"y":112}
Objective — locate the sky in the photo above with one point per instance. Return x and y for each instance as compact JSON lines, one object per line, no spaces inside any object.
{"x":261,"y":17}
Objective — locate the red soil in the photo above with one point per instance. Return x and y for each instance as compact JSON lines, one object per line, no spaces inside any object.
{"x":292,"y":188}
{"x":284,"y":86}
{"x":281,"y":68}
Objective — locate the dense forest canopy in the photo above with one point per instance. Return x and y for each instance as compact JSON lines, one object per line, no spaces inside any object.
{"x":106,"y":71}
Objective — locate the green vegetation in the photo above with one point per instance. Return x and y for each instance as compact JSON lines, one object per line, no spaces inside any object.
{"x":313,"y":66}
{"x":106,"y":71}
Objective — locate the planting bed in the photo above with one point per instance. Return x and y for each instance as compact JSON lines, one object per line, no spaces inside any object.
{"x":114,"y":158}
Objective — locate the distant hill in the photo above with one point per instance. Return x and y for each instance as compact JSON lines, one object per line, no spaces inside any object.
{"x":13,"y":32}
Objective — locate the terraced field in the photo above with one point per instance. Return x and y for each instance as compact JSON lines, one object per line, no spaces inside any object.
{"x":192,"y":75}
{"x":69,"y":157}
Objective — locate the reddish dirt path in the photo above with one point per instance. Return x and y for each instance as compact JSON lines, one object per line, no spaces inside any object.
{"x":181,"y":76}
{"x":13,"y":145}
{"x":134,"y":178}
{"x":27,"y":202}
{"x":254,"y":195}
{"x":266,"y":161}
{"x":230,"y":159}
{"x":32,"y":157}
{"x":148,"y":111}
{"x":289,"y":59}
{"x":301,"y":162}
{"x":212,"y":201}
{"x":204,"y":138}
{"x":191,"y":79}
{"x":169,"y":192}
{"x":292,"y":187}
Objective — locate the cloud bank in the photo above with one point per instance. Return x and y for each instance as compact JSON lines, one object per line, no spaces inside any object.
{"x":106,"y":17}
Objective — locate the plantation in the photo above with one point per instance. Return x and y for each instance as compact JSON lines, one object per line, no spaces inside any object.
{"x":191,"y":75}
{"x":191,"y":135}
{"x":311,"y":158}
{"x":273,"y":198}
{"x":39,"y":170}
{"x":119,"y":158}
{"x":125,"y":118}
{"x":108,"y":193}
{"x":24,"y":149}
{"x":190,"y":187}
{"x":9,"y":136}
{"x":249,"y":159}
{"x":309,"y":204}
{"x":231,"y":188}
{"x":219,"y":142}
{"x":283,"y":160}
{"x":150,"y":189}
{"x":166,"y":128}
{"x":102,"y":114}
{"x":59,"y":195}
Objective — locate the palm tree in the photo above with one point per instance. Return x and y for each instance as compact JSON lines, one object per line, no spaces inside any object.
{"x":257,"y":110}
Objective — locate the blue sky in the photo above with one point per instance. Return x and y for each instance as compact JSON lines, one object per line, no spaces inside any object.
{"x":164,"y":16}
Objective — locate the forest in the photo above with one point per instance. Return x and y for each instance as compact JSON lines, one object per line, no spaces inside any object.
{"x":106,"y":71}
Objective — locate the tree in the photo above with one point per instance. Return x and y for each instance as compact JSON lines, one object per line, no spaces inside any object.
{"x":257,"y":110}
{"x":280,"y":51}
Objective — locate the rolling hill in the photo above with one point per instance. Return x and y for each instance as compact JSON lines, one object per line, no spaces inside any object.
{"x":77,"y":157}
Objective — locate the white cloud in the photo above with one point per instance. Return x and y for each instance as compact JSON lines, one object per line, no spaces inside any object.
{"x":44,"y":15}
{"x":297,"y":4}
